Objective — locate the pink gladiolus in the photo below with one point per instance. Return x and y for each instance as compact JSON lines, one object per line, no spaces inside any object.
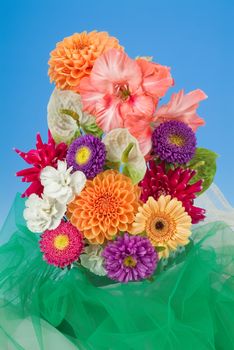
{"x":140,"y":127}
{"x":119,"y":87}
{"x":182,"y":107}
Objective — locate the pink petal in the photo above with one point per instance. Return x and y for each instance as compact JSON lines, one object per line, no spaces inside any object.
{"x":143,"y":104}
{"x":89,"y":95}
{"x":156,"y":78}
{"x":139,"y":127}
{"x":108,"y":115}
{"x":35,"y":187}
{"x":183,"y":107}
{"x":115,"y":67}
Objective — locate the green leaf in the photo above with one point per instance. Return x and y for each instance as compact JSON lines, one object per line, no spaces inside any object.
{"x":92,"y":129}
{"x":204,"y":162}
{"x":160,"y":249}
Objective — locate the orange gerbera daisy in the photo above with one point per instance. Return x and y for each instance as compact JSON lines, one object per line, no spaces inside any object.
{"x":165,"y":223}
{"x":107,"y":205}
{"x":73,"y":58}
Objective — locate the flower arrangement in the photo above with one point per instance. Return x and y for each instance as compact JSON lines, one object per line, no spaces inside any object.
{"x":113,"y":189}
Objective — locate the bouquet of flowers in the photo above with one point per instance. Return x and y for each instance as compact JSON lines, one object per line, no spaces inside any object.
{"x":111,"y":205}
{"x":114,"y":187}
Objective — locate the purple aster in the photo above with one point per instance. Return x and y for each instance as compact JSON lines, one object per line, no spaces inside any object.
{"x":174,"y":142}
{"x":130,"y":258}
{"x":87,"y":154}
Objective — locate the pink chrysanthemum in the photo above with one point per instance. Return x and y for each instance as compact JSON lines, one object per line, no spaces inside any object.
{"x":45,"y":154}
{"x":176,"y":183}
{"x":61,"y":246}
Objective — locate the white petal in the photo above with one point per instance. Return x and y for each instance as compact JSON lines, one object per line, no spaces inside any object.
{"x":78,"y":181}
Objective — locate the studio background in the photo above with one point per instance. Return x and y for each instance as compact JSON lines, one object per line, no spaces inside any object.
{"x":194,"y":38}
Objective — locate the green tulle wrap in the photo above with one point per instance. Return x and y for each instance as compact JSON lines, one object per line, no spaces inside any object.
{"x":189,"y":304}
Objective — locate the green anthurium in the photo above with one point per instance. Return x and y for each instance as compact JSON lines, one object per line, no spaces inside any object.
{"x":123,"y":150}
{"x":92,"y":129}
{"x":204,"y":162}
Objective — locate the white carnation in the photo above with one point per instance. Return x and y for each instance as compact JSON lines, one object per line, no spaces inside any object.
{"x":43,"y":213}
{"x":62,"y":126}
{"x":92,"y":260}
{"x":60,"y":184}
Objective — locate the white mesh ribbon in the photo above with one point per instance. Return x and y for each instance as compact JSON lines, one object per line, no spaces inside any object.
{"x":216,"y":205}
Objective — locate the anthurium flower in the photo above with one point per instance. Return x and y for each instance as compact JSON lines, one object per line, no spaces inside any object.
{"x":119,"y":86}
{"x":65,"y":116}
{"x":123,"y":150}
{"x":182,"y":107}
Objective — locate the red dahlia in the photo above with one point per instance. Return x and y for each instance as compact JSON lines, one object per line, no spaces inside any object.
{"x":45,"y":154}
{"x":175,"y":182}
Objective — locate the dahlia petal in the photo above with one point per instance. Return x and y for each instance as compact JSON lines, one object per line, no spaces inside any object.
{"x":35,"y":187}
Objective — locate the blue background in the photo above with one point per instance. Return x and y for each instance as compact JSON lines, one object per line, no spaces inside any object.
{"x":195,"y":38}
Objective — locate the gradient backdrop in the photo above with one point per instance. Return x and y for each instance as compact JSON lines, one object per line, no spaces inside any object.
{"x":195,"y":38}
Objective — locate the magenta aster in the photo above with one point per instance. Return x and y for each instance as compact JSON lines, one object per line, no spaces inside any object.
{"x":174,"y":142}
{"x":130,"y":258}
{"x":61,"y":246}
{"x":87,"y":154}
{"x":45,"y":154}
{"x":175,"y":182}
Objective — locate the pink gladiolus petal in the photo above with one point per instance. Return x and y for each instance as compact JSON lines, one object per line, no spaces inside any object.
{"x":107,"y":114}
{"x":143,"y":105}
{"x":115,"y":67}
{"x":139,"y":127}
{"x":182,"y":107}
{"x":156,"y":78}
{"x":90,"y":95}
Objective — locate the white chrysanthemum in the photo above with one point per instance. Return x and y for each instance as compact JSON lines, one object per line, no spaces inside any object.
{"x":92,"y":260}
{"x":123,"y":148}
{"x":61,"y":184}
{"x":62,"y":126}
{"x":43,"y":213}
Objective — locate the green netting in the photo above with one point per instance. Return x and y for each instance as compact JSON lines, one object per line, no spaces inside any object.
{"x":190,"y":305}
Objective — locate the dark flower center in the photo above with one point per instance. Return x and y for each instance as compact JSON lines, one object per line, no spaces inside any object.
{"x":159,"y":225}
{"x":129,"y":261}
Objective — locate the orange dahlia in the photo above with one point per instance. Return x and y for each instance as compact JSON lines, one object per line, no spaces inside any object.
{"x":107,"y":205}
{"x":73,"y":58}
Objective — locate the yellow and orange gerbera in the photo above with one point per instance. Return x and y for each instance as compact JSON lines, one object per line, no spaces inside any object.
{"x":165,"y":222}
{"x":107,"y":205}
{"x":73,"y":58}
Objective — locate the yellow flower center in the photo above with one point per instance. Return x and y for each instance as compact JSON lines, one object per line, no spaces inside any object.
{"x":61,"y":241}
{"x":129,"y":261}
{"x":160,"y":228}
{"x":83,"y":155}
{"x":177,"y":140}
